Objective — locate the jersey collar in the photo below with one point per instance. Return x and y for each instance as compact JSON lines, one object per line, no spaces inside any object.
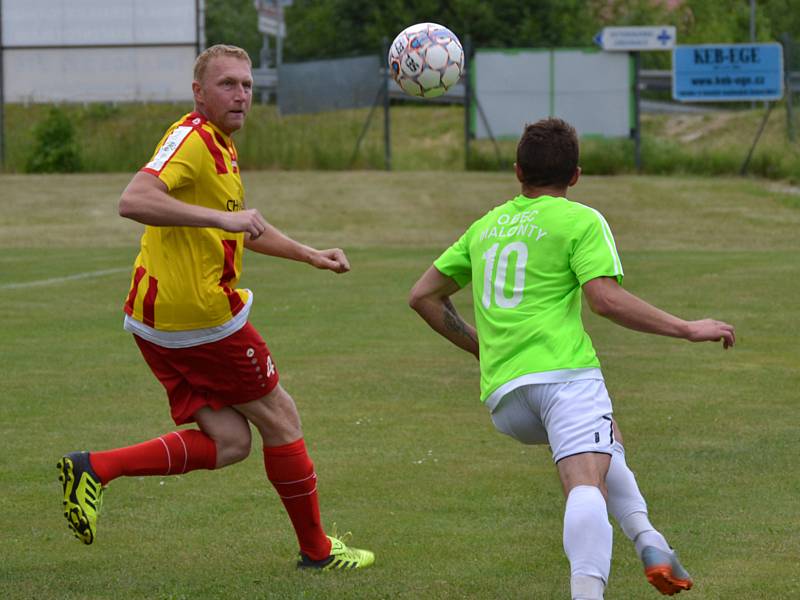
{"x":526,"y":200}
{"x":192,"y":118}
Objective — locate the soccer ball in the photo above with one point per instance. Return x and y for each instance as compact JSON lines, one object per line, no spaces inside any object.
{"x":426,"y":60}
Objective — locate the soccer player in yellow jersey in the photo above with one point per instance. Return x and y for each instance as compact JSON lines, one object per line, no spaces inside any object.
{"x":190,"y":321}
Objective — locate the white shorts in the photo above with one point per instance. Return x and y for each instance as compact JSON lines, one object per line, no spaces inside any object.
{"x":573,"y":417}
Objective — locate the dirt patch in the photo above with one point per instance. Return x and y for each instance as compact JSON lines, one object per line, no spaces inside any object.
{"x":784,"y":188}
{"x":689,"y":128}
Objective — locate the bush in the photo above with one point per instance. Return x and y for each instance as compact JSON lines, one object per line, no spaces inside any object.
{"x":55,"y":149}
{"x":606,"y":156}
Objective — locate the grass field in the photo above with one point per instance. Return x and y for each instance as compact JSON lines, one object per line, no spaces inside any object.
{"x":407,"y":457}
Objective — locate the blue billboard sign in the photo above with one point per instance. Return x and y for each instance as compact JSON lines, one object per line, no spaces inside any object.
{"x":729,"y":72}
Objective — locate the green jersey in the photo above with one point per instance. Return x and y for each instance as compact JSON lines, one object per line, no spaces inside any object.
{"x":527,"y":260}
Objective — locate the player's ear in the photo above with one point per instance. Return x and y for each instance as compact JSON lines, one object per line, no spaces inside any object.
{"x":518,"y":171}
{"x":197,"y":90}
{"x":575,"y":177}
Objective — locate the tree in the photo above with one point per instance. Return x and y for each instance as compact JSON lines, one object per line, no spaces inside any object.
{"x":234,"y":22}
{"x":329,"y":28}
{"x":334,"y":28}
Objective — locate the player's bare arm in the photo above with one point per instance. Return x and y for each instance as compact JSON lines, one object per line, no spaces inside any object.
{"x":146,"y":200}
{"x":273,"y":242}
{"x":454,"y":322}
{"x":430,"y":297}
{"x":608,"y":299}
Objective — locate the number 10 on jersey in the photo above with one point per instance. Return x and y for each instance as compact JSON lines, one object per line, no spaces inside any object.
{"x":498,"y":284}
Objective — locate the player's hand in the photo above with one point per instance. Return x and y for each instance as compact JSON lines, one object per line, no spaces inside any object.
{"x":332,"y":259}
{"x":709,"y":330}
{"x":249,"y":221}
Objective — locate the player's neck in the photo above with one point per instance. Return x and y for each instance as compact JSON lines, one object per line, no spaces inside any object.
{"x":556,"y":191}
{"x":199,"y":110}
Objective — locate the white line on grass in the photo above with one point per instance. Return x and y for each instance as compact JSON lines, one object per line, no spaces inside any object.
{"x":53,"y":280}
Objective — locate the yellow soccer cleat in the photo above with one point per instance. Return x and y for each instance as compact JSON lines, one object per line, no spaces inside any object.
{"x":83,"y":494}
{"x":341,"y":557}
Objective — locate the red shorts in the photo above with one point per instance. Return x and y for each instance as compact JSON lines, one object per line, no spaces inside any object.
{"x":233,"y":370}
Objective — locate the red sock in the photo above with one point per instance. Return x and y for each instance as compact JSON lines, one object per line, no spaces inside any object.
{"x":171,"y":454}
{"x":291,"y":471}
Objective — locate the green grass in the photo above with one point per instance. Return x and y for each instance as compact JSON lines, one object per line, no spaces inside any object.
{"x":407,"y":458}
{"x":114,"y":138}
{"x":121,"y":138}
{"x":715,"y":143}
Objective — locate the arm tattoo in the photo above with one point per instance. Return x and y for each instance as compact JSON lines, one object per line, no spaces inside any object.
{"x":454,"y":322}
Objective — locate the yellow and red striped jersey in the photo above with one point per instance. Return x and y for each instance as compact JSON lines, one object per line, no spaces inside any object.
{"x":185,"y":277}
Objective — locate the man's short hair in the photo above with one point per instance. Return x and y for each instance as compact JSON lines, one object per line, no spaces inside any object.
{"x":201,"y":63}
{"x":547,"y":153}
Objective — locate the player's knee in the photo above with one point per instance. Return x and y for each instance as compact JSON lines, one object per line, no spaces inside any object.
{"x":241,"y":450}
{"x":230,"y":451}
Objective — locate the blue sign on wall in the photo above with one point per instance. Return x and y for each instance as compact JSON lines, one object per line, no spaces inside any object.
{"x":720,"y":73}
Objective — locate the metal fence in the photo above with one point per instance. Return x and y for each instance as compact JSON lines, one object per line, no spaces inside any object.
{"x":324,"y":85}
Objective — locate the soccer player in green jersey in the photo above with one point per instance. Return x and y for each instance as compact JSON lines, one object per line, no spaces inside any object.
{"x":528,"y":261}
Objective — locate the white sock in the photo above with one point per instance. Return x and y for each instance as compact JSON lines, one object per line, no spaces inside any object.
{"x":626,"y":504}
{"x":587,"y":539}
{"x":586,"y":588}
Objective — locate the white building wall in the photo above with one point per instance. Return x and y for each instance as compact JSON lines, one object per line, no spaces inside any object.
{"x":98,"y":50}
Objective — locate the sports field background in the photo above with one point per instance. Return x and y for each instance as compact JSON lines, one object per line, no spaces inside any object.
{"x":422,"y":136}
{"x":407,"y":457}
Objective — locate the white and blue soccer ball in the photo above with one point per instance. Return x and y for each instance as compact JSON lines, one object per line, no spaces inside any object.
{"x":426,"y":60}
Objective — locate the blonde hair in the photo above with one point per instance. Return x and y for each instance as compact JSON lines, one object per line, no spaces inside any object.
{"x":216,"y":51}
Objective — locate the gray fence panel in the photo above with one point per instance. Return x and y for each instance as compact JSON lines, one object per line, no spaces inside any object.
{"x":590,"y":89}
{"x":512,"y":87}
{"x":324,"y":85}
{"x":593,"y":91}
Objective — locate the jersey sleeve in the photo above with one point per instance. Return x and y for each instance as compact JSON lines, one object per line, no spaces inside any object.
{"x":177,"y":160}
{"x":594,"y":252}
{"x":455,"y":261}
